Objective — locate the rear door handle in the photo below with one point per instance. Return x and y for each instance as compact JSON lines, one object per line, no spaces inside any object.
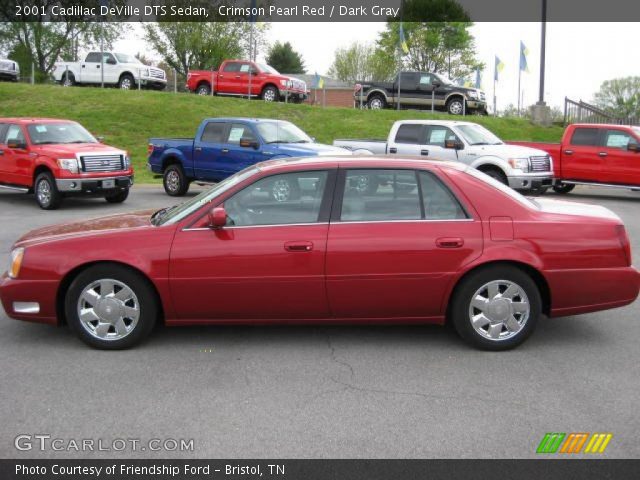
{"x":198,"y":149}
{"x":237,"y":76}
{"x":424,"y":152}
{"x":602,"y":154}
{"x":393,"y":150}
{"x":298,"y":246}
{"x":449,"y":242}
{"x":568,"y":152}
{"x":225,"y":150}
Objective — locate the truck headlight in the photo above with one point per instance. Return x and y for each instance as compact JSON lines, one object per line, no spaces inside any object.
{"x":472,"y":94}
{"x":17,"y":254}
{"x":69,"y":164}
{"x":520,"y":163}
{"x":127,"y":162}
{"x":284,"y":83}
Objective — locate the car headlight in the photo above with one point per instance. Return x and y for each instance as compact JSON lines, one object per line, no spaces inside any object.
{"x":69,"y":164}
{"x":127,"y":162}
{"x":284,"y":82}
{"x":520,"y":163}
{"x":17,"y":254}
{"x":472,"y":94}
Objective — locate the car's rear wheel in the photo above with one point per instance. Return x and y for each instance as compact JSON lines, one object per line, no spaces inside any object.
{"x":496,"y":308}
{"x":68,"y":80}
{"x":117,"y":197}
{"x":563,"y":188}
{"x":174,"y":180}
{"x":46,"y":191}
{"x":203,"y":89}
{"x":111,"y":307}
{"x":376,"y":102}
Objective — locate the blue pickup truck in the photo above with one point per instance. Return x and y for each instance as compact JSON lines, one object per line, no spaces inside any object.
{"x":224,"y":146}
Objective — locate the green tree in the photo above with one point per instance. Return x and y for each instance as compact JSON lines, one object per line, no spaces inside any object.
{"x":361,"y":61}
{"x":285,"y":59}
{"x":620,"y":96}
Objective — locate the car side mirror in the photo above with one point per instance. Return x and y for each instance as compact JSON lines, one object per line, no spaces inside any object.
{"x":13,"y":145}
{"x":435,"y":84}
{"x":248,"y":143}
{"x":100,"y":139}
{"x":454,"y":144}
{"x":633,"y":147}
{"x":217,"y":217}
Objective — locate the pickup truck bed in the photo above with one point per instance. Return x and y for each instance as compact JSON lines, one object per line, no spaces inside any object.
{"x":366,"y":145}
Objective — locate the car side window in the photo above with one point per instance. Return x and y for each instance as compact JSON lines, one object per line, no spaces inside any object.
{"x":617,"y":139}
{"x":93,"y":57}
{"x":108,"y":56}
{"x":438,"y":201}
{"x":244,"y":68}
{"x":231,"y":67}
{"x":410,"y":133}
{"x":14,"y":134}
{"x":3,"y":130}
{"x":239,"y":131}
{"x":438,"y":134}
{"x":425,"y":79}
{"x":213,"y":132}
{"x":285,"y":199}
{"x":380,"y":195}
{"x":585,"y":137}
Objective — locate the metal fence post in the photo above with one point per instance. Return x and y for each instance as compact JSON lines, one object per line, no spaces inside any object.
{"x":175,"y":81}
{"x":139,"y":79}
{"x":33,"y":73}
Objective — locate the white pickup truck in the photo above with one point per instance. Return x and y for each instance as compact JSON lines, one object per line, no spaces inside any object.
{"x":521,"y":168}
{"x":121,"y":70}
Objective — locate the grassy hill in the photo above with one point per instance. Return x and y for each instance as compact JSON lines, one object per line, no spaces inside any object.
{"x":128,"y":119}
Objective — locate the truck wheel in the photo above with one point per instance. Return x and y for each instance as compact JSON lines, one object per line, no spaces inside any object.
{"x":175,"y":181}
{"x":117,"y":197}
{"x":47,"y":194}
{"x":496,"y":308}
{"x":376,"y":102}
{"x":203,"y":89}
{"x":563,"y":187}
{"x":68,"y":80}
{"x":127,"y":82}
{"x":455,"y":106}
{"x":496,"y":174}
{"x":111,"y":307}
{"x":270,"y":94}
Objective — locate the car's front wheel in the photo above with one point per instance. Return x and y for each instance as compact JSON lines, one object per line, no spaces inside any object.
{"x":46,"y":191}
{"x":127,"y":82}
{"x":117,"y":197}
{"x":270,"y":94}
{"x":111,"y":307}
{"x":563,"y":188}
{"x":455,"y":106}
{"x":496,"y":308}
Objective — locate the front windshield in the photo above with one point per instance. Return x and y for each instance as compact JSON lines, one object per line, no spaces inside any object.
{"x":478,"y":135}
{"x":124,"y":58}
{"x":178,"y":212}
{"x":282,"y":132}
{"x":502,"y":187}
{"x":267,"y":69}
{"x":64,"y":132}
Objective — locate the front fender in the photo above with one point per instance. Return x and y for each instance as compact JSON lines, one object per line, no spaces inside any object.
{"x":494,"y":161}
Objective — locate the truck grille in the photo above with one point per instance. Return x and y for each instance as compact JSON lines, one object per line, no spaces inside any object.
{"x":154,"y":73}
{"x":102,"y":163}
{"x":540,"y":164}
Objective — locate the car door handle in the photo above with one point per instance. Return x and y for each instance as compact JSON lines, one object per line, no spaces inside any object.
{"x":1,"y":152}
{"x":225,"y":150}
{"x":198,"y":149}
{"x":424,"y":152}
{"x":449,"y":242}
{"x":568,"y":152}
{"x":603,"y":154}
{"x":393,"y":150}
{"x":238,"y":76}
{"x":298,"y":246}
{"x":97,"y":66}
{"x":83,"y":66}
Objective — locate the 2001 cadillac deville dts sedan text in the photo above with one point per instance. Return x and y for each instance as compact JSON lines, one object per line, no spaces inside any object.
{"x":316,"y":240}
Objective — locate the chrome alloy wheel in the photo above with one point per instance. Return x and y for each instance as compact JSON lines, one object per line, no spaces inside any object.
{"x":455,"y":108}
{"x":108,"y":309}
{"x":269,"y":95}
{"x":281,"y":190}
{"x":44,"y":192}
{"x":375,"y":103}
{"x":173,"y":181}
{"x":125,"y":83}
{"x":67,"y":82}
{"x":499,"y":310}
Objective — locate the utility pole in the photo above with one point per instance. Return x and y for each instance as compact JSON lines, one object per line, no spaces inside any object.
{"x":543,"y":38}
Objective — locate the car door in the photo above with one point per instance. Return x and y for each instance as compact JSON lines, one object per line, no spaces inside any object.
{"x":622,"y":165}
{"x":14,"y":162}
{"x":408,"y":86}
{"x":227,"y":78}
{"x":425,"y":89}
{"x":580,"y":158}
{"x":90,"y":69}
{"x":207,"y":151}
{"x":241,"y":79}
{"x":436,"y":136}
{"x":267,"y":263}
{"x":392,"y":251}
{"x":234,"y":156}
{"x":409,"y":139}
{"x":112,"y":69}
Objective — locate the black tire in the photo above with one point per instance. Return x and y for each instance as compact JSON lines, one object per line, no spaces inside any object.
{"x":174,"y":180}
{"x":145,"y":301}
{"x":460,"y":308}
{"x":376,"y":102}
{"x":455,"y":106}
{"x":270,"y":94}
{"x":203,"y":89}
{"x":46,"y":191}
{"x":563,"y":188}
{"x":496,"y":174}
{"x":126,"y":82}
{"x":538,"y":191}
{"x":67,"y":80}
{"x":117,"y":197}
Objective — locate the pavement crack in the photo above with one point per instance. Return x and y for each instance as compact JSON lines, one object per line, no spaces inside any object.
{"x":335,"y":359}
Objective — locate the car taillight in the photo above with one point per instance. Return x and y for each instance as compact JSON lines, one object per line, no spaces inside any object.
{"x":624,"y":242}
{"x":150,"y":149}
{"x":357,"y":88}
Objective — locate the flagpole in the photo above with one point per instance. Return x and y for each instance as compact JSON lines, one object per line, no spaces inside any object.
{"x":519,"y":75}
{"x":495,"y":113}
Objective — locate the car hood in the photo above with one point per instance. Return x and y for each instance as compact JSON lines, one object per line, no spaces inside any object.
{"x":61,"y":150}
{"x":95,"y":226}
{"x":309,"y":149}
{"x":564,"y":207}
{"x":510,"y":151}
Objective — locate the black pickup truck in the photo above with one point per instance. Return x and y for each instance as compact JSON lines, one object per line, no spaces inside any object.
{"x":418,"y":90}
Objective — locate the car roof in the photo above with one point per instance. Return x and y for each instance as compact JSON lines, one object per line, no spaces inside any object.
{"x":244,"y":119}
{"x":438,"y":122}
{"x":26,"y":120}
{"x":602,"y":125}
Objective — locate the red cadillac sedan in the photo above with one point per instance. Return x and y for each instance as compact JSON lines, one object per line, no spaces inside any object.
{"x":369,"y":239}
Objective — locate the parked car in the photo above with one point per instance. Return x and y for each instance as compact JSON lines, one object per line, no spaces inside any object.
{"x":458,"y":246}
{"x":420,"y":90}
{"x":121,"y":70}
{"x":245,"y":78}
{"x":224,"y":146}
{"x":589,"y":154}
{"x":522,"y":168}
{"x":9,"y":70}
{"x":58,"y":158}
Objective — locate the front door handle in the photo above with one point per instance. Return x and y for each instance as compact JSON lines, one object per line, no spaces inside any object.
{"x":449,"y":242}
{"x":225,"y":150}
{"x":1,"y":152}
{"x":603,"y":154}
{"x":198,"y":149}
{"x":568,"y":152}
{"x":393,"y":150}
{"x":424,"y":152}
{"x":298,"y":246}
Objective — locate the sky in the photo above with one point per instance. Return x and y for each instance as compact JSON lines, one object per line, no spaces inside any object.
{"x":579,"y":56}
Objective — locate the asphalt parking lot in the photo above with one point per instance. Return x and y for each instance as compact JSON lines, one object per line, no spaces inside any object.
{"x":319,"y":392}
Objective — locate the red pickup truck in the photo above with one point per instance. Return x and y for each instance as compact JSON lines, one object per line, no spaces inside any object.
{"x":243,"y":78}
{"x":594,"y":154}
{"x":58,"y":158}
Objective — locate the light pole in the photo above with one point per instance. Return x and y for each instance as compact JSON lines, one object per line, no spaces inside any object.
{"x":543,"y":37}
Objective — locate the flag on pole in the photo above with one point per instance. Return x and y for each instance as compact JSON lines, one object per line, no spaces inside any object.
{"x":319,"y":81}
{"x":403,"y":41}
{"x":478,"y":79}
{"x":498,"y":68}
{"x":524,"y":51}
